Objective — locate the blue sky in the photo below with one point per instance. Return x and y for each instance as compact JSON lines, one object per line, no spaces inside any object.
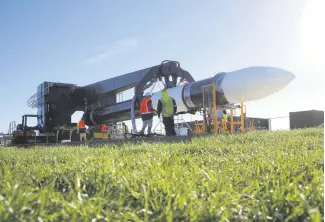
{"x":83,"y":42}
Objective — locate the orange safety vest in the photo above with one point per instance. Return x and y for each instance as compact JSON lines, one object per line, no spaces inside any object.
{"x":81,"y":124}
{"x":103,"y":128}
{"x":144,"y":106}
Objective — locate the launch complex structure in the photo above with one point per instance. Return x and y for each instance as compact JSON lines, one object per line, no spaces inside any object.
{"x":56,"y":102}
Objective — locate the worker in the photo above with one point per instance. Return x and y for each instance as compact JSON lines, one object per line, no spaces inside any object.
{"x":225,"y":120}
{"x":82,"y":130}
{"x":167,"y":107}
{"x":146,"y":112}
{"x":224,"y":116}
{"x":103,"y":128}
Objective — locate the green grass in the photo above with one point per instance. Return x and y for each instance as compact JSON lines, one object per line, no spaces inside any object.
{"x":260,"y":176}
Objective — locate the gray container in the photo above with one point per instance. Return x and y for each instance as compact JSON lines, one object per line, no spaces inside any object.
{"x":306,"y":119}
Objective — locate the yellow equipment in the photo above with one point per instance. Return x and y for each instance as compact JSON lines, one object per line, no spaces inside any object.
{"x":101,"y":135}
{"x":198,"y":128}
{"x":224,"y":128}
{"x":241,"y":122}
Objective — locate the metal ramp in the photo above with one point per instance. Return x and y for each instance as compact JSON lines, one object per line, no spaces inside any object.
{"x":181,"y":125}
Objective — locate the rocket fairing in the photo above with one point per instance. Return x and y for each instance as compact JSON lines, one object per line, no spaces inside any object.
{"x":242,"y":85}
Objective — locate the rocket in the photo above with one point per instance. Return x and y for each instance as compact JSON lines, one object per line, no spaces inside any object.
{"x":243,"y":85}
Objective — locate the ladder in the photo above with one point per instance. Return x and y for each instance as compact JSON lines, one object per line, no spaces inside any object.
{"x":180,"y":122}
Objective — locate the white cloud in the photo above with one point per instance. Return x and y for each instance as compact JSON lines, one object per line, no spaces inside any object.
{"x":115,"y":48}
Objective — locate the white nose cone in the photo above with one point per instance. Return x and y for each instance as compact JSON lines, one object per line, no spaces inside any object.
{"x":254,"y":83}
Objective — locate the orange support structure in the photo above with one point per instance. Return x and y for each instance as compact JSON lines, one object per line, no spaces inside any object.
{"x":241,"y":122}
{"x":210,"y":113}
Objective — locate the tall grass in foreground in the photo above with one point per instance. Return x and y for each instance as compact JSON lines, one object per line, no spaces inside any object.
{"x":260,"y":176}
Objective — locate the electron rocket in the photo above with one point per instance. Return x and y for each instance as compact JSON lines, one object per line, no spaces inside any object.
{"x":243,"y":85}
